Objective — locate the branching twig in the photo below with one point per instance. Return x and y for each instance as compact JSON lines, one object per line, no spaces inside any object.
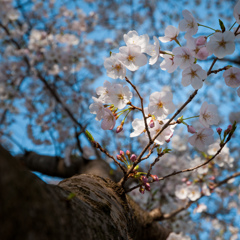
{"x":97,"y":145}
{"x":142,"y":109}
{"x":139,"y":159}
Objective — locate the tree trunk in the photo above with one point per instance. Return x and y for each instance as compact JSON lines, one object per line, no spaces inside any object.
{"x":81,"y":207}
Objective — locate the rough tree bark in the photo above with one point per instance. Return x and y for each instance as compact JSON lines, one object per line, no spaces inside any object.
{"x":98,"y":209}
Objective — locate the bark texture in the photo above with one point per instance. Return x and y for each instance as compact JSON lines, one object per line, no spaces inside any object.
{"x":98,"y":209}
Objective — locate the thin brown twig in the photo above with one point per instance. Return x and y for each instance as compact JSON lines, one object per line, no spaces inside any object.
{"x":134,"y":107}
{"x":155,"y":161}
{"x":150,"y":151}
{"x":98,"y":146}
{"x":142,"y":109}
{"x":219,"y":70}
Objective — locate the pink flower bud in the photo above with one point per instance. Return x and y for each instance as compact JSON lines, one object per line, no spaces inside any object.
{"x":121,"y":153}
{"x":128,"y":153}
{"x":119,"y":129}
{"x":229,"y":128}
{"x":147,"y":186}
{"x":203,"y":53}
{"x":191,"y":129}
{"x":212,"y":178}
{"x":151,"y":124}
{"x":201,"y":41}
{"x":219,"y":130}
{"x":133,"y":158}
{"x":141,"y":190}
{"x":154,"y":177}
{"x":189,"y":183}
{"x":144,"y":179}
{"x":184,"y":179}
{"x":119,"y":157}
{"x":167,"y":141}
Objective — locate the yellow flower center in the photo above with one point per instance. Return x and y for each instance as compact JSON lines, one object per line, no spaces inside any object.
{"x":130,"y":58}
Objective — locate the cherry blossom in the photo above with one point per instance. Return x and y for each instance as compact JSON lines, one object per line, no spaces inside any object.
{"x":223,"y":157}
{"x":109,"y":120}
{"x":165,"y":135}
{"x":188,"y":24}
{"x":193,"y":192}
{"x":114,"y":67}
{"x":105,"y":91}
{"x":183,"y":57}
{"x":153,"y":51}
{"x":131,"y":57}
{"x":201,"y":138}
{"x":181,"y":191}
{"x":168,"y":63}
{"x":198,"y":47}
{"x":161,"y":104}
{"x":221,"y":44}
{"x":200,"y":208}
{"x":208,"y":115}
{"x":120,"y":95}
{"x":232,"y":77}
{"x":132,"y":38}
{"x":97,"y":108}
{"x":236,"y":12}
{"x":171,"y":33}
{"x":194,"y":75}
{"x":206,"y":190}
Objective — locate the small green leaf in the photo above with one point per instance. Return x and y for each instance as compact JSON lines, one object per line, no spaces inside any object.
{"x":221,"y":25}
{"x":167,"y":150}
{"x":89,"y":135}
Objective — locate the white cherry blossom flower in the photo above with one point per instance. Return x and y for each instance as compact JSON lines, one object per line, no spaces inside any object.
{"x":232,"y":77}
{"x":97,"y":108}
{"x":120,"y":95}
{"x":138,"y":126}
{"x":171,"y":33}
{"x":153,"y":51}
{"x":236,"y":12}
{"x":208,"y":115}
{"x":223,"y":157}
{"x":161,"y":104}
{"x":165,"y":135}
{"x":181,"y":191}
{"x":198,"y":47}
{"x":221,"y":44}
{"x":109,"y":120}
{"x":188,"y":24}
{"x":201,"y":138}
{"x":200,"y":208}
{"x":183,"y":57}
{"x":194,"y":75}
{"x":168,"y":63}
{"x":206,"y":190}
{"x":104,"y":92}
{"x":193,"y":192}
{"x":132,"y":57}
{"x":132,"y":38}
{"x":68,"y":39}
{"x":114,"y":67}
